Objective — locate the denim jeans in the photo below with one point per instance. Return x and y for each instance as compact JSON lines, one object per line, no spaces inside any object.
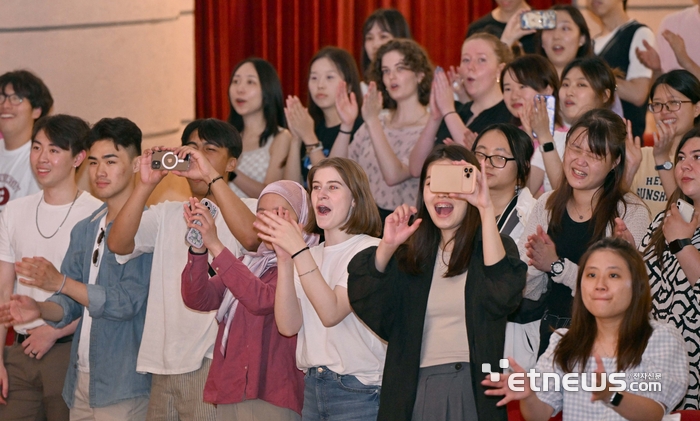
{"x":330,"y":396}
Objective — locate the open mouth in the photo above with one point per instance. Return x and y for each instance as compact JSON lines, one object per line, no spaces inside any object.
{"x":444,"y":209}
{"x":240,"y":101}
{"x":558,"y":49}
{"x":669,"y":121}
{"x":323,"y":210}
{"x":569,"y":103}
{"x":578,"y":173}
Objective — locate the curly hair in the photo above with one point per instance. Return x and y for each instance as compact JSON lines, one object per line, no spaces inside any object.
{"x":415,"y":58}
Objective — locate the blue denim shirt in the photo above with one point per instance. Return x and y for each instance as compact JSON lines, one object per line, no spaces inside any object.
{"x":118,"y":309}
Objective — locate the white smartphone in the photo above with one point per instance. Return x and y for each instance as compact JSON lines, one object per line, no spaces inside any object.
{"x":686,"y":209}
{"x":193,"y":236}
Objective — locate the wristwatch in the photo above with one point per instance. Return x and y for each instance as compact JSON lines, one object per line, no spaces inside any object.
{"x":548,"y":147}
{"x":615,"y":400}
{"x":557,"y":267}
{"x":677,"y":245}
{"x":665,"y":166}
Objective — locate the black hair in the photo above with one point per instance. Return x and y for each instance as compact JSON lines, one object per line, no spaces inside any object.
{"x":27,"y":85}
{"x":520,"y":146}
{"x":272,"y":99}
{"x":388,"y":20}
{"x":345,"y":64}
{"x":598,"y":73}
{"x":684,"y":82}
{"x":65,"y":131}
{"x":216,"y":132}
{"x":584,"y":50}
{"x":121,"y":131}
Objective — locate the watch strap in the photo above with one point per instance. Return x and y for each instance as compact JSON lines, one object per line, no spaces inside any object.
{"x":677,"y":245}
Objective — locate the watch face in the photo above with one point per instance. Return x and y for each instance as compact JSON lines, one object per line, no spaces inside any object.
{"x":557,"y":267}
{"x":668,"y":165}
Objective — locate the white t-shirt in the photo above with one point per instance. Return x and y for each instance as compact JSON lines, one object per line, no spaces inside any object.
{"x":16,"y":177}
{"x":20,"y":238}
{"x":538,"y":160}
{"x":84,"y":344}
{"x":684,"y":23}
{"x":175,"y":338}
{"x":348,"y":347}
{"x":636,"y":69}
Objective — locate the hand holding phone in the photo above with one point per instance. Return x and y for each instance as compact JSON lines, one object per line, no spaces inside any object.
{"x":447,"y":178}
{"x":685,"y":209}
{"x":168,"y":160}
{"x":539,"y":19}
{"x":193,"y":236}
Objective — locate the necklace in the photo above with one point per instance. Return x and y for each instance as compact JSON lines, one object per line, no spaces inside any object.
{"x":36,"y":220}
{"x":580,"y":217}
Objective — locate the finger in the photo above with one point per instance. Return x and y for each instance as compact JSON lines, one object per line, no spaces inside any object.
{"x":600,"y":368}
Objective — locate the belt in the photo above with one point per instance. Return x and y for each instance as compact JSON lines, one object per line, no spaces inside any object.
{"x":19,"y":338}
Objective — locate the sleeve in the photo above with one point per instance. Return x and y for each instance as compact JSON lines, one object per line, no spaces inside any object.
{"x":72,"y":310}
{"x":666,"y":54}
{"x":665,"y":355}
{"x":636,"y":217}
{"x":636,"y":69}
{"x":199,"y":292}
{"x":72,"y":267}
{"x":7,"y":254}
{"x":536,"y":280}
{"x":359,"y":139}
{"x":257,"y":296}
{"x":145,"y":239}
{"x":545,"y":364}
{"x":371,"y":294}
{"x":504,"y":281}
{"x":122,"y":300}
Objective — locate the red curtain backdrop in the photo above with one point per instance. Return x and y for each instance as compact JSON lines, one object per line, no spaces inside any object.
{"x":287,"y":33}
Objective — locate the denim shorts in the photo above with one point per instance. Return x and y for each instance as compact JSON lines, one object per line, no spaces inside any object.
{"x":329,"y":396}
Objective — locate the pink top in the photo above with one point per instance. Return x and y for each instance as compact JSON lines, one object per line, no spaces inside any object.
{"x":260,"y":363}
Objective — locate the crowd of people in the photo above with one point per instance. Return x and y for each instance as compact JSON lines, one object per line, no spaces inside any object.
{"x":315,"y":274}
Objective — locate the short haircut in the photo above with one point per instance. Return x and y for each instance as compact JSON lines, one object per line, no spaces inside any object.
{"x":598,"y":74}
{"x":345,"y":64}
{"x":121,"y":131}
{"x":503,"y":53}
{"x":65,"y":131}
{"x":272,"y":99}
{"x":415,"y":58}
{"x":216,"y":132}
{"x":520,"y":146}
{"x":584,"y":50}
{"x":684,"y":82}
{"x":388,"y":20}
{"x":364,"y":218}
{"x":27,"y":85}
{"x":536,"y":72}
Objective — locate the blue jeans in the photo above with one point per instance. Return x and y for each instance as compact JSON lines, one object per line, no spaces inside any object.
{"x":330,"y":396}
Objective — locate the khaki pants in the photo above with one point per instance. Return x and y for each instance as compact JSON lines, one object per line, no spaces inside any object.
{"x":36,"y":385}
{"x":254,"y":410}
{"x":179,"y":397}
{"x":130,"y":409}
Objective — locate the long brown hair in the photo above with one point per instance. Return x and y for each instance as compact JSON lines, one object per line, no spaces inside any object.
{"x":576,"y":346}
{"x":606,"y":133}
{"x":658,"y":241}
{"x":421,"y":246}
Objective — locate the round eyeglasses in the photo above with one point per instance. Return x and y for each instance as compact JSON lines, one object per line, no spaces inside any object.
{"x":14,"y":99}
{"x":657,"y":107}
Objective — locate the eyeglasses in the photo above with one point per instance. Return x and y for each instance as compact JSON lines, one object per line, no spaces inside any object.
{"x":14,"y":99}
{"x":96,"y":253}
{"x":657,"y":107}
{"x":497,"y":161}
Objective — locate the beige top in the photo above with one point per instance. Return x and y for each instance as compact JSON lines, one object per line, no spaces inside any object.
{"x":647,"y":183}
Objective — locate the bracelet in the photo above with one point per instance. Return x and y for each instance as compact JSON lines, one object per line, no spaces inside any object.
{"x":448,"y":113}
{"x":221,"y":177}
{"x":62,"y":285}
{"x":306,"y":273}
{"x":313,"y":145}
{"x":344,"y":132}
{"x":300,"y":251}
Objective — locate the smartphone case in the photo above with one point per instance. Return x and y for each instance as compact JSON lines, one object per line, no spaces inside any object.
{"x":193,"y":236}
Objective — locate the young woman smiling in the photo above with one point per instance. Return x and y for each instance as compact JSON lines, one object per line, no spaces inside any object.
{"x":611,"y":332}
{"x":673,"y":261}
{"x":343,"y":360}
{"x":257,"y":112}
{"x":483,"y":57}
{"x":591,"y":203}
{"x":434,"y":290}
{"x":401,"y":75}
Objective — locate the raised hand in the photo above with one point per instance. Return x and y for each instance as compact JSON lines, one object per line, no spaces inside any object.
{"x":299,"y":120}
{"x":372,"y":103}
{"x":678,"y":46}
{"x":444,"y":96}
{"x":196,"y":211}
{"x":622,"y":231}
{"x":457,"y":84}
{"x":480,"y":198}
{"x":541,"y":251}
{"x":396,"y":228}
{"x":633,"y":154}
{"x":538,"y":117}
{"x":675,"y":227}
{"x":281,"y":232}
{"x":346,"y":105}
{"x":663,"y":140}
{"x":39,"y":272}
{"x":435,"y":113}
{"x":604,"y":394}
{"x":500,"y":387}
{"x":649,"y":57}
{"x":200,"y":168}
{"x":513,"y":30}
{"x":148,"y":175}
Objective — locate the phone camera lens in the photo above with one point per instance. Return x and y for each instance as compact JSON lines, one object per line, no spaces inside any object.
{"x":155,"y":165}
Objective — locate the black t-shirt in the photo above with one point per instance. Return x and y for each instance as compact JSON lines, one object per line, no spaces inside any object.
{"x":571,"y":243}
{"x":497,"y":114}
{"x":490,"y":25}
{"x":327,"y":136}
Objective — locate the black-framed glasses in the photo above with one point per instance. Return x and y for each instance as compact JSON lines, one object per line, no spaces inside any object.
{"x":14,"y":99}
{"x":96,"y":253}
{"x":497,"y":161}
{"x":657,"y":107}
